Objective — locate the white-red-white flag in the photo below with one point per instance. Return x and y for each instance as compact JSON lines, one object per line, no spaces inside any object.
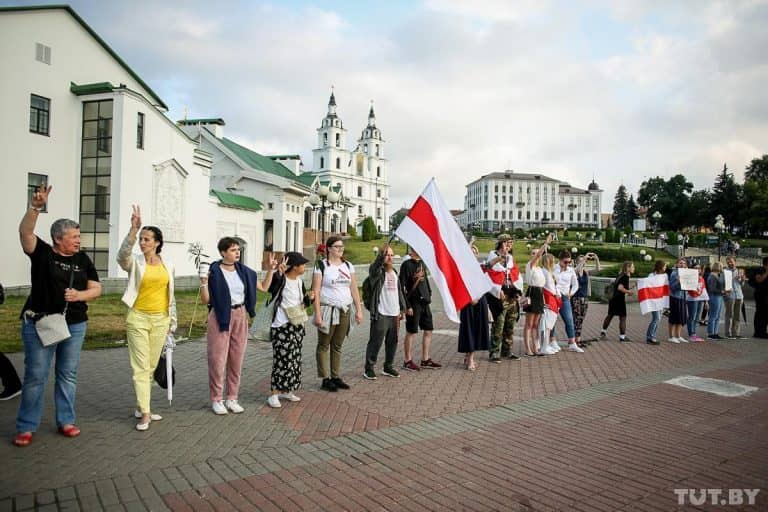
{"x":653,"y":293}
{"x":432,"y":231}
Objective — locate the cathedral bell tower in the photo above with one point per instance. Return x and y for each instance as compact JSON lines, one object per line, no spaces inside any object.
{"x":331,"y":153}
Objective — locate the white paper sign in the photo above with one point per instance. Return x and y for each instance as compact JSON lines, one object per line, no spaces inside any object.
{"x":689,"y":278}
{"x":728,"y":274}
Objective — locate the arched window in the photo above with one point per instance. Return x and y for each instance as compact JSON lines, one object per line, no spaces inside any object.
{"x":325,"y":139}
{"x":365,"y":148}
{"x":322,"y":163}
{"x":377,"y":150}
{"x":338,"y":139}
{"x":338,"y":163}
{"x":378,"y":172}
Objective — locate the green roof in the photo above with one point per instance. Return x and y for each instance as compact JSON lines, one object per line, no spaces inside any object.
{"x":95,"y":36}
{"x":94,"y":88}
{"x":307,"y":178}
{"x":237,"y":201}
{"x":258,"y":162}
{"x":211,"y":120}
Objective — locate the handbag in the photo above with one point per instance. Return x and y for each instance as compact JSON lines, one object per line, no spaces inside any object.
{"x":52,"y":328}
{"x":161,"y":375}
{"x":297,"y":315}
{"x":262,"y":322}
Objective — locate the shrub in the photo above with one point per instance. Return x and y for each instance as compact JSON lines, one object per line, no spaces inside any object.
{"x":351,"y":230}
{"x":369,"y":230}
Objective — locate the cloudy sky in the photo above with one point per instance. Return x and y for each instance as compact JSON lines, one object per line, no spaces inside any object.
{"x":619,"y":90}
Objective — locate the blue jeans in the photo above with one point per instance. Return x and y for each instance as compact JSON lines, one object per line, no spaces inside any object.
{"x":650,"y":334}
{"x":566,"y":313}
{"x":715,"y":308}
{"x":694,"y":312}
{"x":37,"y":365}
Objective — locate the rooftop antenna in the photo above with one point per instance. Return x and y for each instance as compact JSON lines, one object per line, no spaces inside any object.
{"x":186,"y":113}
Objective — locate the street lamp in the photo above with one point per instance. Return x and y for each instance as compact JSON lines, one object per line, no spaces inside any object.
{"x":656,"y":218}
{"x":719,"y":227}
{"x":324,"y":199}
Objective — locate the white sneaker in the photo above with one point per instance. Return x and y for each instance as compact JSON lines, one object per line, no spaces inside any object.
{"x":142,"y":426}
{"x":682,"y":340}
{"x":290,"y":397}
{"x":154,"y":417}
{"x":572,"y":347}
{"x":233,"y":406}
{"x":674,"y":340}
{"x":547,"y":350}
{"x":274,"y":401}
{"x":219,"y":408}
{"x":555,"y":346}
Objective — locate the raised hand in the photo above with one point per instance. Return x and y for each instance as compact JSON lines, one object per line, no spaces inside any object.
{"x":272,"y":261}
{"x":283,"y":266}
{"x":136,"y":217}
{"x":40,"y":197}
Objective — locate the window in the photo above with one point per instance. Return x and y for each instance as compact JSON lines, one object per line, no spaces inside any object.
{"x":34,"y":181}
{"x":338,"y":163}
{"x":378,"y":213}
{"x":325,"y":139}
{"x":322,"y":163}
{"x":39,"y":114}
{"x":42,"y":53}
{"x":378,"y":172}
{"x":378,"y":192}
{"x":519,"y":215}
{"x":140,"y":131}
{"x":338,"y":139}
{"x":562,"y":216}
{"x":377,"y":150}
{"x":578,"y":216}
{"x":570,"y":216}
{"x":495,"y":215}
{"x":360,"y":210}
{"x":495,"y":188}
{"x":288,"y":207}
{"x":528,"y":215}
{"x":365,"y":148}
{"x":359,"y":191}
{"x":503,"y":215}
{"x":594,"y":217}
{"x":536,"y":215}
{"x":270,"y":206}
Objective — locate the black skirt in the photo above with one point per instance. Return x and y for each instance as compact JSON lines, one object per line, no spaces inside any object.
{"x":474,"y":331}
{"x":536,"y":297}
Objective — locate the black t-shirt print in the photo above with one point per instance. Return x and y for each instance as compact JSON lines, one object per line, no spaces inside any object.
{"x":50,"y":276}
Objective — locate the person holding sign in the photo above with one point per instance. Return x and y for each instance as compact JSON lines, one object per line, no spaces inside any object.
{"x":695,"y":301}
{"x":678,"y":314}
{"x":734,"y":297}
{"x":655,"y":290}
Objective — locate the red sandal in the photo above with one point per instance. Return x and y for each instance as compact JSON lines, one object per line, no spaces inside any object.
{"x":23,"y":439}
{"x":69,"y":431}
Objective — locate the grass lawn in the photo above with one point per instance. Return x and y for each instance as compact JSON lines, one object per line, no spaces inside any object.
{"x":106,"y":321}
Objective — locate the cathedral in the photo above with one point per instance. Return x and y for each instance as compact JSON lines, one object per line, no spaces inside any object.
{"x":361,"y":173}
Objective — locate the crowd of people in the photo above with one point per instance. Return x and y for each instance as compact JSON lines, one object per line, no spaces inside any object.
{"x":64,"y":280}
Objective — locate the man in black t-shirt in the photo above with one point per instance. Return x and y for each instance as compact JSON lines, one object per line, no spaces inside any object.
{"x":418,"y":295}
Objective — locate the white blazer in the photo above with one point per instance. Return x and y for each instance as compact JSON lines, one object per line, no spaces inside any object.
{"x":135,"y":265}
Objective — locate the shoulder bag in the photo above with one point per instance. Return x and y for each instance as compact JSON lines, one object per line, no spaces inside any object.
{"x":52,"y":328}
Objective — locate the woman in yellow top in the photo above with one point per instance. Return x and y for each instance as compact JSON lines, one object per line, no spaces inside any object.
{"x":152,"y":316}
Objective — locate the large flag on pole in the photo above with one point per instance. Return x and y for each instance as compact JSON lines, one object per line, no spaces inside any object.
{"x":431,"y":230}
{"x":653,"y":293}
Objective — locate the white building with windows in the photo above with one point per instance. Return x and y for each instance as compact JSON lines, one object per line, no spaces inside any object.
{"x":361,"y":174}
{"x":77,"y":117}
{"x":510,"y":200}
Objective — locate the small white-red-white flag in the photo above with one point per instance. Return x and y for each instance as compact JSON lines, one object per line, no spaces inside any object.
{"x":432,"y":231}
{"x":653,"y":293}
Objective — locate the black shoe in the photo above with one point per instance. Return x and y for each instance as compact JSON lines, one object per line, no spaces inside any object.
{"x":390,"y":372}
{"x":340,"y":384}
{"x":328,"y":385}
{"x":495,"y":359}
{"x":513,"y":357}
{"x":369,"y":374}
{"x":625,"y":339}
{"x":653,"y":342}
{"x":7,"y":394}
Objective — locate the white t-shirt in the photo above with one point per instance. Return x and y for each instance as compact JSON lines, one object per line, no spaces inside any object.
{"x":291,"y":297}
{"x":535,"y":275}
{"x":336,"y":285}
{"x":236,"y":286}
{"x":389,"y":302}
{"x":566,"y":281}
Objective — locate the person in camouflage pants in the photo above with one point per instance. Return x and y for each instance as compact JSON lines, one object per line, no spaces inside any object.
{"x":503,"y":326}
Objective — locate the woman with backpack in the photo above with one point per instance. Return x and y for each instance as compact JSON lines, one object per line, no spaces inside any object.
{"x":335,"y":294}
{"x":290,"y":301}
{"x":617,"y":306}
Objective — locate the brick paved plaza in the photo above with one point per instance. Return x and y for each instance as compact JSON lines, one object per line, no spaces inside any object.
{"x":599,"y":431}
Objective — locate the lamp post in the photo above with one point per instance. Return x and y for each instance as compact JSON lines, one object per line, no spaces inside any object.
{"x":719,"y":226}
{"x":656,"y":218}
{"x":323,"y":199}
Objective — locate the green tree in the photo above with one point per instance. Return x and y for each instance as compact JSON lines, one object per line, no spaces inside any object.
{"x":700,"y":208}
{"x":631,"y":209}
{"x":671,"y":198}
{"x":727,"y":199}
{"x":397,"y":218}
{"x":369,"y":230}
{"x":756,"y":196}
{"x":620,"y":208}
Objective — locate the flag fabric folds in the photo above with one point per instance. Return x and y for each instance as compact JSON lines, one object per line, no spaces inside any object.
{"x":653,"y":293}
{"x":432,"y":231}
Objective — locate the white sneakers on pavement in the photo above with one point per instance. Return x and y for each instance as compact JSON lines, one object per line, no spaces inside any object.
{"x":233,"y":406}
{"x":289,"y":396}
{"x":154,"y":417}
{"x":274,"y":401}
{"x":674,"y":340}
{"x":572,"y":347}
{"x":219,"y":408}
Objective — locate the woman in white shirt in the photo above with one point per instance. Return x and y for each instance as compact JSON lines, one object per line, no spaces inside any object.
{"x":534,"y":277}
{"x":551,"y":294}
{"x":335,"y":289}
{"x":287,"y":334}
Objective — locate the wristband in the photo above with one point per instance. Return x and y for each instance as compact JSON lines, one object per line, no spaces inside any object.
{"x":36,"y":208}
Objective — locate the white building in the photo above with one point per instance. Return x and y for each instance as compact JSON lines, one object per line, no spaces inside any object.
{"x":77,"y":117}
{"x":361,"y":174}
{"x":510,"y":200}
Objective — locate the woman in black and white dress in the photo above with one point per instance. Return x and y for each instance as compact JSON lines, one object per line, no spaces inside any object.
{"x":287,"y":334}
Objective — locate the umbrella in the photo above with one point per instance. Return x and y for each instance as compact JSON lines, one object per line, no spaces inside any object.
{"x":169,"y":344}
{"x":743,"y":311}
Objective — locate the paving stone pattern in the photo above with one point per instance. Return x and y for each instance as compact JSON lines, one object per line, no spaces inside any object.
{"x":593,"y":431}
